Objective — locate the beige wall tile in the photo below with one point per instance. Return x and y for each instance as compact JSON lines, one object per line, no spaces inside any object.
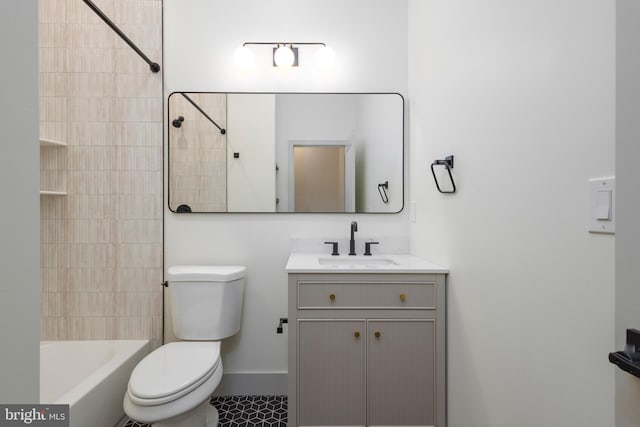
{"x":53,"y":109}
{"x":53,"y":328}
{"x":127,"y":61}
{"x":53,"y":231}
{"x":79,"y":13}
{"x":90,"y":231}
{"x":91,"y":84}
{"x":91,"y":206}
{"x":92,"y":36}
{"x":140,"y":255}
{"x":52,"y":34}
{"x":139,"y":134}
{"x":52,"y":304}
{"x":134,"y":327}
{"x":134,"y":304}
{"x":53,"y":59}
{"x":101,"y":246}
{"x":91,"y":109}
{"x":53,"y":84}
{"x":139,"y":85}
{"x":53,"y":279}
{"x":139,"y":279}
{"x":91,"y":328}
{"x":53,"y":130}
{"x":139,"y":159}
{"x":142,"y":12}
{"x":52,"y":11}
{"x":133,"y":206}
{"x":52,"y":208}
{"x":53,"y":255}
{"x":91,"y":255}
{"x":91,"y":182}
{"x":91,"y":133}
{"x":139,"y":230}
{"x":92,"y":279}
{"x":90,"y":304}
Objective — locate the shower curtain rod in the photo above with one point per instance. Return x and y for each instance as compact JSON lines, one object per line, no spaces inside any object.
{"x":153,"y":66}
{"x":222,"y":131}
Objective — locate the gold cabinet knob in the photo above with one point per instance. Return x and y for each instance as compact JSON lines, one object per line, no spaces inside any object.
{"x":377,"y":334}
{"x":332,"y":297}
{"x":403,"y":297}
{"x":356,"y":334}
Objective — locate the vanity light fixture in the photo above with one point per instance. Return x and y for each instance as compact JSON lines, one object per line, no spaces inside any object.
{"x":285,"y":54}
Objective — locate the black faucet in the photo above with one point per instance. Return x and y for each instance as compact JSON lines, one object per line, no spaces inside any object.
{"x":352,"y":242}
{"x":334,"y":247}
{"x":367,"y":247}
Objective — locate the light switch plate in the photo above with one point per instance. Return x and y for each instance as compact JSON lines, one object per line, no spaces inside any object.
{"x":602,"y":201}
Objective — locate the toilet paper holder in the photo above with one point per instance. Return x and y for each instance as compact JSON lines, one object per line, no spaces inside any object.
{"x":629,"y":359}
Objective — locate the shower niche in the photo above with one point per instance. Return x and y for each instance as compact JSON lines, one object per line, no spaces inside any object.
{"x":53,"y":160}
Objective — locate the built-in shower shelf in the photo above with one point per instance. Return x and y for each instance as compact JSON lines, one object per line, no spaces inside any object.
{"x":44,"y":142}
{"x":52,"y":193}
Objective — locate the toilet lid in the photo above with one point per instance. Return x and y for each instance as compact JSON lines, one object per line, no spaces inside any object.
{"x":174,"y":368}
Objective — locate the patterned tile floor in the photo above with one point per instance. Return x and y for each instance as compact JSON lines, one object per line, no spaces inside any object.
{"x":245,"y":411}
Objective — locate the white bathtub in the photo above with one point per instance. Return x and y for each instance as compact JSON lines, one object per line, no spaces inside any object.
{"x":90,"y":376}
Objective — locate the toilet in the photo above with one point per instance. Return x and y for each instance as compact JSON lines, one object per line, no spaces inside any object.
{"x":172,"y":385}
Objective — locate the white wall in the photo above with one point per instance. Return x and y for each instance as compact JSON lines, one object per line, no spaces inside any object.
{"x":200,"y":36}
{"x":522,"y":93}
{"x":378,"y":126}
{"x":251,"y":132}
{"x":627,"y":203}
{"x":20,"y":217}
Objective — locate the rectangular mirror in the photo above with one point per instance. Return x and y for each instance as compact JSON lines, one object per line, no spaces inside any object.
{"x":286,"y":152}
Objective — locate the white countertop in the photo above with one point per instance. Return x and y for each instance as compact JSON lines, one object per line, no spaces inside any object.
{"x":387,"y":263}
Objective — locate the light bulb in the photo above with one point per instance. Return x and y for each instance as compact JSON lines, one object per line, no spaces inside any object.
{"x":325,"y":57}
{"x":243,"y":57}
{"x":284,"y":57}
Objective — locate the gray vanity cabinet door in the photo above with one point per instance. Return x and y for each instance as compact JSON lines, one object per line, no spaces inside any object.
{"x":331,"y":372}
{"x":401,"y":372}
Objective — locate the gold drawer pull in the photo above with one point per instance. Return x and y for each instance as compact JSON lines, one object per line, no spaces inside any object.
{"x":357,"y":334}
{"x":332,"y":297}
{"x":403,"y":297}
{"x":377,"y":334}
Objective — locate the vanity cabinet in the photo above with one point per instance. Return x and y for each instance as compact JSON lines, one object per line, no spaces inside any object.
{"x":366,"y":349}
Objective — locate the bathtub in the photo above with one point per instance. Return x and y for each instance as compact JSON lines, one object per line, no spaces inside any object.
{"x":90,"y":376}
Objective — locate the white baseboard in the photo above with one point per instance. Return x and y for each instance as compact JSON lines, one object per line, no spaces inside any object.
{"x":248,"y":384}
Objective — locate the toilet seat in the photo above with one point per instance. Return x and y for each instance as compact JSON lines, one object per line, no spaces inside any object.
{"x":172,"y":371}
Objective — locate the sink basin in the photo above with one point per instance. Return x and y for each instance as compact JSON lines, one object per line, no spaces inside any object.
{"x":355,"y":261}
{"x":314,"y":262}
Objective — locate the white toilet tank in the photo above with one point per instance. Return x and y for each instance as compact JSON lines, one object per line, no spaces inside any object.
{"x":206,"y":301}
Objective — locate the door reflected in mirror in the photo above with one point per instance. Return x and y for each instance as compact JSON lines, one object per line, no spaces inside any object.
{"x":319,"y":184}
{"x":286,"y":152}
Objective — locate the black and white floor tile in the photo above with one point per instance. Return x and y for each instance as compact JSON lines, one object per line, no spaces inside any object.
{"x":245,"y":411}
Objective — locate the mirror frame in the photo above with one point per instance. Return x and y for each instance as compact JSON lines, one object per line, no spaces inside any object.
{"x":168,"y":124}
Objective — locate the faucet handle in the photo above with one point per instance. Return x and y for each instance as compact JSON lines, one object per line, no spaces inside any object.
{"x":367,"y":247}
{"x":334,"y":251}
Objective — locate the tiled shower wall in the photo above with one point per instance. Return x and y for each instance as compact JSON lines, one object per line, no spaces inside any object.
{"x":198,"y":153}
{"x":101,"y":244}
